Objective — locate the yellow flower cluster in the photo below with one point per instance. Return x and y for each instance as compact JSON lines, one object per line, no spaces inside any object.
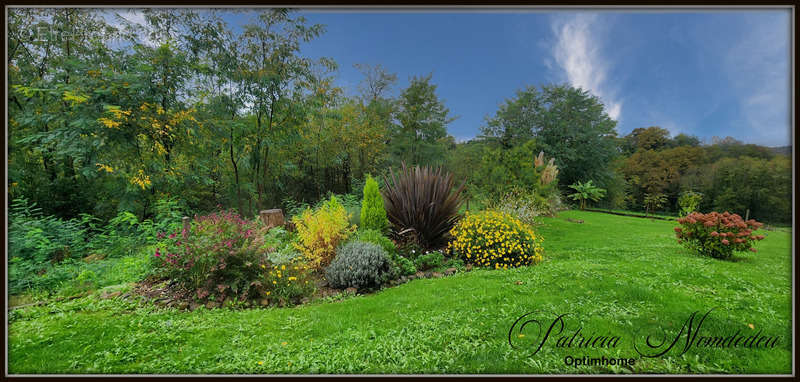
{"x":496,"y":240}
{"x":118,"y":116}
{"x":109,"y":123}
{"x":141,"y":179}
{"x":103,"y":167}
{"x":288,"y":281}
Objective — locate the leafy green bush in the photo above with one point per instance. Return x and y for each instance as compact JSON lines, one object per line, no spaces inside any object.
{"x":376,"y":237}
{"x":359,"y":265}
{"x":406,"y":267}
{"x":429,"y":260}
{"x":502,"y":169}
{"x":454,"y":263}
{"x":525,"y":205}
{"x":717,"y":234}
{"x":40,"y":239}
{"x":422,"y":205}
{"x":689,"y":201}
{"x":373,"y":214}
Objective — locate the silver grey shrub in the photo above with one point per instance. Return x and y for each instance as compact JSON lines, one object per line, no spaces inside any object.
{"x":359,"y":265}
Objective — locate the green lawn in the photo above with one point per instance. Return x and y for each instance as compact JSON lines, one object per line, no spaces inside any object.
{"x":614,"y":275}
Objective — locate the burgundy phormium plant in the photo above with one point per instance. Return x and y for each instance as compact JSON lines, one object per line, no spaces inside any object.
{"x":422,"y":205}
{"x":717,"y":234}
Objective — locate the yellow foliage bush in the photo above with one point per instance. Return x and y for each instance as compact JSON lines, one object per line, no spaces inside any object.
{"x":495,"y":239}
{"x":320,"y":232}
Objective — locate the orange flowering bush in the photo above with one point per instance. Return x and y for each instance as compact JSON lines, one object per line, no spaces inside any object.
{"x":717,"y":234}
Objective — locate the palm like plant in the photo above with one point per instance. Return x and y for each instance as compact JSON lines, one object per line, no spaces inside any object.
{"x":586,"y":191}
{"x":421,"y":204}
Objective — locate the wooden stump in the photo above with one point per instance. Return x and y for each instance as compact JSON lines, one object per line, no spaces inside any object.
{"x":272,"y":218}
{"x":187,"y":225}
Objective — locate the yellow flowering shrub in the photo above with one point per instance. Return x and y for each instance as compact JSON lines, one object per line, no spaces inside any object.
{"x":495,"y":239}
{"x":320,"y":232}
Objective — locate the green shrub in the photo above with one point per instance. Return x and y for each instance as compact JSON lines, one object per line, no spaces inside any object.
{"x":429,"y":260}
{"x":717,"y":234}
{"x":406,"y":266}
{"x":523,"y":204}
{"x":373,"y":214}
{"x":422,"y":205}
{"x":454,"y":263}
{"x":500,"y":170}
{"x":688,"y":202}
{"x":87,"y":279}
{"x":284,"y":255}
{"x":359,"y":265}
{"x":376,"y":237}
{"x":40,"y":239}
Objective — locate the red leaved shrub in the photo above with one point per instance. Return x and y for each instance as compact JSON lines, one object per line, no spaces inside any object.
{"x":717,"y":234}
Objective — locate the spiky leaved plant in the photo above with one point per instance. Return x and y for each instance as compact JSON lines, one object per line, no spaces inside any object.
{"x":422,"y":205}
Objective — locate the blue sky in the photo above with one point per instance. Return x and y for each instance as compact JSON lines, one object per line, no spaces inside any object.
{"x":703,"y":73}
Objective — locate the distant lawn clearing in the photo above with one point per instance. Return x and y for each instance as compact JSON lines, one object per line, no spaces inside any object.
{"x":613,"y":275}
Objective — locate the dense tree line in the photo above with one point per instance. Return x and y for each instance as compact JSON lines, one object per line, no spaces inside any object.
{"x":731,"y":176}
{"x":108,"y":117}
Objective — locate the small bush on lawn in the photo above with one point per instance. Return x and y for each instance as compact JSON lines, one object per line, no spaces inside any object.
{"x":288,"y":283}
{"x":376,"y":237}
{"x":429,"y":260}
{"x":718,"y":235}
{"x":320,"y":232}
{"x":373,"y":214}
{"x":495,"y":239}
{"x":359,"y":265}
{"x":220,"y":257}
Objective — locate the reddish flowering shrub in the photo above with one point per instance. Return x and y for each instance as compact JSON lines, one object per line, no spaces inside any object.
{"x":223,"y":256}
{"x":717,"y":234}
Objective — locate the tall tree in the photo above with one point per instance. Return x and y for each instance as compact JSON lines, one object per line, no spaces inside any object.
{"x":374,"y":118}
{"x":274,"y":77}
{"x":567,"y":123}
{"x":421,"y":124}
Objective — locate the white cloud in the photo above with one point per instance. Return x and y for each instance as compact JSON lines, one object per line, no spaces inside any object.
{"x":758,"y":67}
{"x":119,"y":17}
{"x":577,"y":51}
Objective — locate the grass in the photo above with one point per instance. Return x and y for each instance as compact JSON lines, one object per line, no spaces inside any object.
{"x":614,"y":275}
